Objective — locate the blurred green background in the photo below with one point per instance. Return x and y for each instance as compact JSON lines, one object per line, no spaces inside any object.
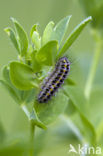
{"x":29,"y":12}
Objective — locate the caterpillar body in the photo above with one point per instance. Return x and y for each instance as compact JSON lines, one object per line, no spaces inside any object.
{"x":54,"y":80}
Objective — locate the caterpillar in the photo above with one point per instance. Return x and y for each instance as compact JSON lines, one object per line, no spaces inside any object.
{"x":54,"y":80}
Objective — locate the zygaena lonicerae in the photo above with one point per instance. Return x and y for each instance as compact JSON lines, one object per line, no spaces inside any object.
{"x":54,"y":80}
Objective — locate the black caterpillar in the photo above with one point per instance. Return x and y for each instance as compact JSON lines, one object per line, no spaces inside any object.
{"x":55,"y":80}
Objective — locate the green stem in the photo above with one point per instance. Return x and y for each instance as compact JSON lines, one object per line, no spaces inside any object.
{"x":25,"y":110}
{"x":32,"y":132}
{"x":92,"y":72}
{"x":32,"y":129}
{"x":73,"y":127}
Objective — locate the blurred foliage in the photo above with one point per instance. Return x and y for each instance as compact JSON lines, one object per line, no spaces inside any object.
{"x":82,"y":119}
{"x":95,"y":9}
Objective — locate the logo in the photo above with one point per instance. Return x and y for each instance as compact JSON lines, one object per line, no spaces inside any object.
{"x":84,"y":149}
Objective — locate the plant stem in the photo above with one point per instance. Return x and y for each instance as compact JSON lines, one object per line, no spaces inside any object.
{"x":32,"y":129}
{"x":92,"y":72}
{"x":25,"y":110}
{"x":73,"y":127}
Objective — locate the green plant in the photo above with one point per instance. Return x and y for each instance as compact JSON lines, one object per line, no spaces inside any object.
{"x":94,"y":8}
{"x":22,"y":77}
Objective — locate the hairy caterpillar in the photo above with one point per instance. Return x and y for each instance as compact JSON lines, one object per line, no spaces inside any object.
{"x":54,"y":80}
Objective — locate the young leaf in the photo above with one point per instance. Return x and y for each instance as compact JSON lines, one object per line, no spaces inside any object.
{"x":11,"y":91}
{"x":47,"y":54}
{"x":47,"y":33}
{"x":13,"y":38}
{"x":48,"y":112}
{"x":22,"y":76}
{"x":23,"y":40}
{"x":60,"y":29}
{"x":5,"y":73}
{"x":34,"y":28}
{"x":73,"y":36}
{"x":36,"y":39}
{"x":35,"y":64}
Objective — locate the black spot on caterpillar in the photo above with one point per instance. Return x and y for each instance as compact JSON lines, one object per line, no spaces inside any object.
{"x":54,"y":80}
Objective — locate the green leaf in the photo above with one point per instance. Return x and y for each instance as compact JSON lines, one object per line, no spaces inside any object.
{"x":6,"y":76}
{"x":34,"y":28}
{"x":77,"y":96}
{"x":60,"y":29}
{"x":69,"y":81}
{"x":35,"y":120}
{"x":79,"y":101}
{"x":47,"y":54}
{"x":23,"y":40}
{"x":28,"y":96}
{"x":73,"y":36}
{"x":22,"y":76}
{"x":88,"y":130}
{"x":35,"y":64}
{"x":17,"y":145}
{"x":47,"y":33}
{"x":13,"y":38}
{"x":11,"y":91}
{"x":36,"y":39}
{"x":70,"y":110}
{"x":5,"y":73}
{"x":48,"y":112}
